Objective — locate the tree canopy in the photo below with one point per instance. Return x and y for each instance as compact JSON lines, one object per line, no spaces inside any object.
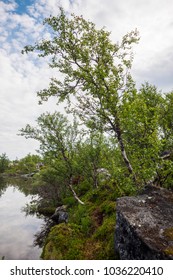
{"x":94,"y":78}
{"x":94,"y":70}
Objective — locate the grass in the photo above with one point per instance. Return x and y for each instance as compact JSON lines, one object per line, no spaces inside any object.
{"x":90,"y":231}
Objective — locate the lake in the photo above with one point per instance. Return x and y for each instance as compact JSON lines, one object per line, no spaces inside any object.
{"x":19,"y":232}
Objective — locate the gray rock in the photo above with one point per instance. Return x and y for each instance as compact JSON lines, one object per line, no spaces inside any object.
{"x":144,"y":225}
{"x":60,"y":215}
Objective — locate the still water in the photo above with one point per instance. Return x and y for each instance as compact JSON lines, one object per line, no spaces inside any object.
{"x":18,"y":231}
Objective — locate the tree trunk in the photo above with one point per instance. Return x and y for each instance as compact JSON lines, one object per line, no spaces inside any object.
{"x":123,"y":152}
{"x":75,"y":195}
{"x":118,"y":134}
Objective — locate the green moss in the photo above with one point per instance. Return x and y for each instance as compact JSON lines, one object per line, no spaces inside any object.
{"x":169,"y":250}
{"x":168,"y":233}
{"x":108,"y":207}
{"x":81,"y":217}
{"x":103,"y":237}
{"x":64,"y":242}
{"x":103,"y":232}
{"x":90,"y":231}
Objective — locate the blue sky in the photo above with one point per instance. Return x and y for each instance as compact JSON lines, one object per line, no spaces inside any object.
{"x":22,"y":5}
{"x":21,"y":76}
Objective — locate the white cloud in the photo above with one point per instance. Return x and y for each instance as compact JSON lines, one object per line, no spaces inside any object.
{"x":21,"y":76}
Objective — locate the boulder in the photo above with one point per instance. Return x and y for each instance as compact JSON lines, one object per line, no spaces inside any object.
{"x":144,"y":225}
{"x":60,"y":215}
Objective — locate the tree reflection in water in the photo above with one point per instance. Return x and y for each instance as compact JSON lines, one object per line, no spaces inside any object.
{"x":40,"y":237}
{"x":30,"y":209}
{"x":3,"y":186}
{"x":21,"y":225}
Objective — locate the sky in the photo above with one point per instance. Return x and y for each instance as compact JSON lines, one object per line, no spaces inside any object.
{"x":21,"y":76}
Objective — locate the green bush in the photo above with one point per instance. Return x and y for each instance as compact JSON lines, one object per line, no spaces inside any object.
{"x":108,"y":207}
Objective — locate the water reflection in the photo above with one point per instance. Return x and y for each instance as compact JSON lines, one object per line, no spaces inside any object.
{"x":2,"y":186}
{"x":19,"y":233}
{"x":40,"y":236}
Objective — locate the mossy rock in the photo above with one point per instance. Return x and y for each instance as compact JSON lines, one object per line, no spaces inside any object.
{"x":169,"y":250}
{"x":92,"y":249}
{"x":168,"y":233}
{"x":64,"y":242}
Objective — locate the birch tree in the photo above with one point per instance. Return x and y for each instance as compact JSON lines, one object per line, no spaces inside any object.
{"x":93,"y":69}
{"x":57,"y":140}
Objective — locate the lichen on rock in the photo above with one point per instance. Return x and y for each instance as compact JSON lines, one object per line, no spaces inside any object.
{"x":144,"y":226}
